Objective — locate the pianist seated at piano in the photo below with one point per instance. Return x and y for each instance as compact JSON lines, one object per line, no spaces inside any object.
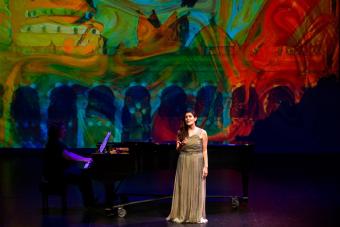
{"x":62,"y":167}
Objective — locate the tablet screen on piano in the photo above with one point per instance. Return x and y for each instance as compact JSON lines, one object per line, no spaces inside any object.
{"x":103,"y":145}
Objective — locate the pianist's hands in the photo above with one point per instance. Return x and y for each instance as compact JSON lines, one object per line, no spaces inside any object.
{"x":88,"y":160}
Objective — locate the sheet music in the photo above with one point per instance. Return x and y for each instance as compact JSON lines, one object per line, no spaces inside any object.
{"x":103,"y":145}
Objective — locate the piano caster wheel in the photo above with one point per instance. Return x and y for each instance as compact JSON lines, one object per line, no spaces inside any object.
{"x":235,"y":203}
{"x":121,"y":212}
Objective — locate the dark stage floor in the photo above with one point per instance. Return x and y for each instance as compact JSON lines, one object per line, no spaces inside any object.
{"x":284,"y":190}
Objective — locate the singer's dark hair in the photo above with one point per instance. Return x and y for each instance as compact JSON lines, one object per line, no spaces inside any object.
{"x":183,"y":129}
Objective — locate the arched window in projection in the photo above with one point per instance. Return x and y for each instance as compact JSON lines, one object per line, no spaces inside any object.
{"x":136,"y":114}
{"x":100,"y":115}
{"x":25,"y":113}
{"x":244,"y":111}
{"x":169,"y":114}
{"x":244,"y":103}
{"x":209,"y":108}
{"x":63,"y":108}
{"x":275,"y":97}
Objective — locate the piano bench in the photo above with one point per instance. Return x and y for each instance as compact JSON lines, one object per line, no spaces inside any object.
{"x":53,"y":189}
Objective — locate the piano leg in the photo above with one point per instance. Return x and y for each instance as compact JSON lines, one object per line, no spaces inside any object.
{"x":245,"y":184}
{"x":109,"y":193}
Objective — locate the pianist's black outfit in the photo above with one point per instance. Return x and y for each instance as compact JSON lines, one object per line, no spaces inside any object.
{"x":59,"y":172}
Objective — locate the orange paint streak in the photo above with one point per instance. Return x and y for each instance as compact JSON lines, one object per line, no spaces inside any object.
{"x":154,"y":41}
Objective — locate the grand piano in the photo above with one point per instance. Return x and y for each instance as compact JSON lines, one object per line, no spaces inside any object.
{"x":119,"y":161}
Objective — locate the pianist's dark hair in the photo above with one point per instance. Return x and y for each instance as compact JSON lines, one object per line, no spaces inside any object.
{"x":54,"y":130}
{"x":183,"y":128}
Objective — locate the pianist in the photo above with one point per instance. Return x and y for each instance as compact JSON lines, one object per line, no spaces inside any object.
{"x":61,"y":166}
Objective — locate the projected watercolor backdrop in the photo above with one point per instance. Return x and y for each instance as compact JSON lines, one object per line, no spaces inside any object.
{"x":133,"y":67}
